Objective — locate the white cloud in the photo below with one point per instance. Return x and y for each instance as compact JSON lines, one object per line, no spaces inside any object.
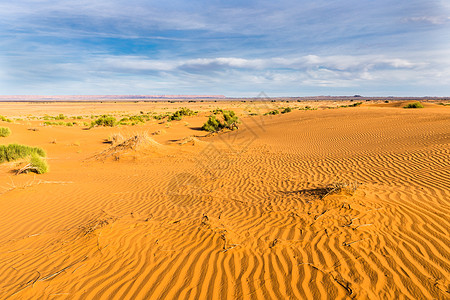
{"x":435,"y":20}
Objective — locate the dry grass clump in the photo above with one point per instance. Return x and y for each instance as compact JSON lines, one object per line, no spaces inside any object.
{"x":133,"y":143}
{"x":159,"y":132}
{"x":342,"y":188}
{"x":115,"y":138}
{"x":190,"y":140}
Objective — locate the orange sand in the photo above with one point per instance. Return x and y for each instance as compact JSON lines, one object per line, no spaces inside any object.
{"x":232,"y":216}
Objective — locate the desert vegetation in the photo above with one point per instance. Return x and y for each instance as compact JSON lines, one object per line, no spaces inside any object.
{"x":221,"y":119}
{"x":272,"y":112}
{"x":5,"y":119}
{"x":414,"y":105}
{"x":178,"y":115}
{"x":286,"y":110}
{"x":4,"y":131}
{"x":104,"y":120}
{"x":34,"y":163}
{"x":34,"y":157}
{"x":13,"y":152}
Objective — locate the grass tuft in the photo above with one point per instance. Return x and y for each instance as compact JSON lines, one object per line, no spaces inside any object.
{"x":13,"y":152}
{"x":38,"y":164}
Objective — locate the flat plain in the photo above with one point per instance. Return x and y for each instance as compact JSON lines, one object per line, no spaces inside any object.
{"x":320,"y":202}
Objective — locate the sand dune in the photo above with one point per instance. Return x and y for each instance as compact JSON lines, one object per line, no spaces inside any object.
{"x":239,"y":215}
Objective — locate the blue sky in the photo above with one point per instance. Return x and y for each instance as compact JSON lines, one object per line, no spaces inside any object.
{"x":234,"y":48}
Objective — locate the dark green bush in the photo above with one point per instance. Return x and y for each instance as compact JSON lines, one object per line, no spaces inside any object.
{"x":286,"y":110}
{"x":13,"y":152}
{"x":4,"y":131}
{"x":414,"y":105}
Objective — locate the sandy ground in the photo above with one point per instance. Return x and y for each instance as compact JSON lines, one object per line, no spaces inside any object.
{"x":239,"y":215}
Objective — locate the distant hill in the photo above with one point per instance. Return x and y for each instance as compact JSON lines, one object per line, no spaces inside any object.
{"x":103,"y":97}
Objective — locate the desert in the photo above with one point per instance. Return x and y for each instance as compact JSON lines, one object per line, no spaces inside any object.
{"x":296,"y":200}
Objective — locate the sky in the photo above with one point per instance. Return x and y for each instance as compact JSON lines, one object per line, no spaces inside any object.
{"x":231,"y":48}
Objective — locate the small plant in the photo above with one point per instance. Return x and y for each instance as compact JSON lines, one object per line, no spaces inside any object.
{"x":104,"y":120}
{"x":4,"y":131}
{"x":414,"y":105}
{"x":286,"y":110}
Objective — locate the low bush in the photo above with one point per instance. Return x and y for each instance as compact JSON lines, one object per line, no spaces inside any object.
{"x":224,"y":119}
{"x":414,"y":105}
{"x":286,"y":110}
{"x":178,"y":115}
{"x":104,"y":120}
{"x":13,"y":152}
{"x":4,"y":131}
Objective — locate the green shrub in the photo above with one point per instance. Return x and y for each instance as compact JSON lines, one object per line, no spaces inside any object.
{"x":104,"y":120}
{"x":272,"y":112}
{"x":13,"y":152}
{"x":352,"y":105}
{"x":286,"y":110}
{"x":178,"y":115}
{"x":228,"y":120}
{"x":414,"y":105}
{"x":4,"y":131}
{"x":38,"y":164}
{"x":212,"y":124}
{"x":4,"y":119}
{"x":355,"y":104}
